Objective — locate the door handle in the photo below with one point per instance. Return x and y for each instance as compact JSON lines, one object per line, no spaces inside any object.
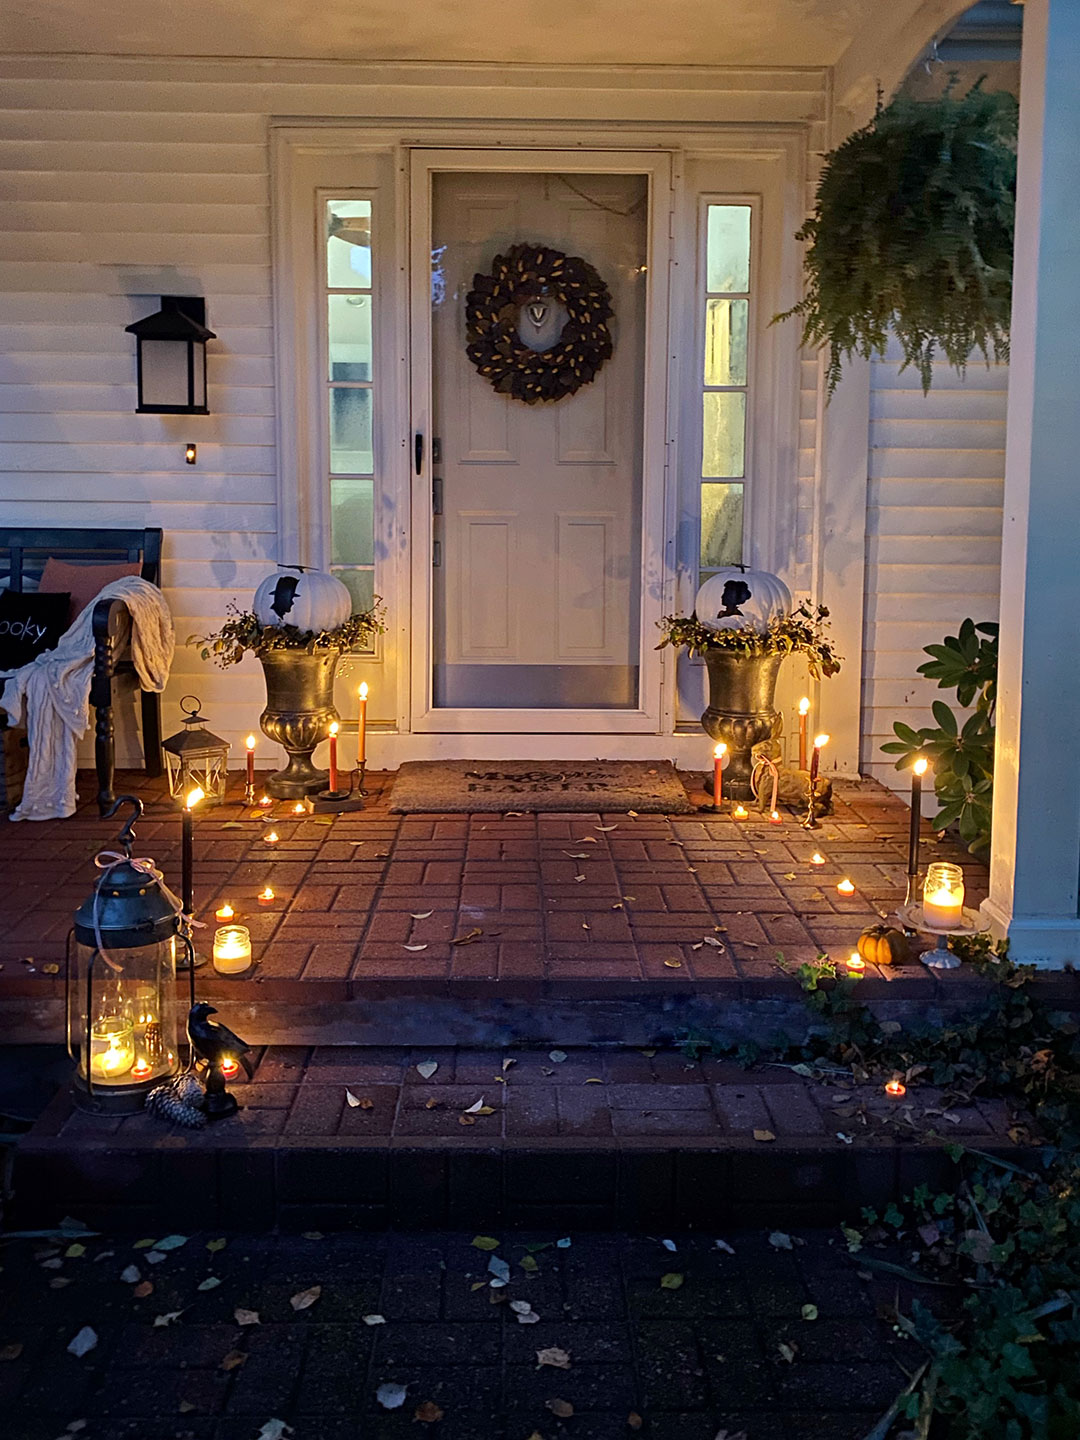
{"x":418,"y":452}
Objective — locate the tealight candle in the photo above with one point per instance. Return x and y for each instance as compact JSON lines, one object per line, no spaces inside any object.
{"x":817,"y":858}
{"x":230,"y":1068}
{"x":224,"y":912}
{"x":232,"y":950}
{"x":855,"y":963}
{"x":774,"y":818}
{"x":895,"y":1088}
{"x":271,"y":837}
{"x":846,"y":887}
{"x":943,"y":896}
{"x":265,"y":896}
{"x":265,"y":801}
{"x":140,"y":1070}
{"x":298,"y":809}
{"x":740,"y":812}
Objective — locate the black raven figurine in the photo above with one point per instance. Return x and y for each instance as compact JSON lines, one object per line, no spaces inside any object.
{"x":215,"y":1043}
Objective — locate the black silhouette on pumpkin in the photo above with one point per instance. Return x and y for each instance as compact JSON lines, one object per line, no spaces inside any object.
{"x":284,"y":595}
{"x":736,"y":593}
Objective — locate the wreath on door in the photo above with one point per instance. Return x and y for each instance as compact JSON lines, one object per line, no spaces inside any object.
{"x":513,"y":312}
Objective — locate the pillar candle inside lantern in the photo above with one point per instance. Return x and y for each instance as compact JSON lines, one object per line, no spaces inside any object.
{"x":112,"y":1047}
{"x":232,"y":950}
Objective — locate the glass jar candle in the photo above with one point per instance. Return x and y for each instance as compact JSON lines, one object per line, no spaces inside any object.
{"x":112,"y":1047}
{"x":943,"y":897}
{"x":232,"y":950}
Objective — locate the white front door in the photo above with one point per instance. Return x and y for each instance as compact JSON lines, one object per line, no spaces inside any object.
{"x":540,"y":525}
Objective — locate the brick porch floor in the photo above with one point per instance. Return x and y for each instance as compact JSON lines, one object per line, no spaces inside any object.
{"x":597,"y":923}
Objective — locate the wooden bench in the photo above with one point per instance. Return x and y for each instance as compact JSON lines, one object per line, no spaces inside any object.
{"x":23,"y":553}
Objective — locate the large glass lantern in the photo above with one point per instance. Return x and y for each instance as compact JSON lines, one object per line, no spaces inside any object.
{"x":122,"y":1028}
{"x":195,"y":758}
{"x":171,"y":361}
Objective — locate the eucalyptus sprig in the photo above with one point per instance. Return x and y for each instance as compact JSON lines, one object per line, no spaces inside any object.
{"x":804,"y":631}
{"x":912,"y":234}
{"x":243,"y":632}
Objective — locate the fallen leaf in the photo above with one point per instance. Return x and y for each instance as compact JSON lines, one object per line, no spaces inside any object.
{"x":669,"y":1245}
{"x":712,"y":940}
{"x":634,"y":1420}
{"x":779,"y":1241}
{"x":58,"y":1282}
{"x":233,"y":1360}
{"x":427,"y":1068}
{"x":507,"y":1063}
{"x":594,"y":1080}
{"x":130,"y":1275}
{"x":528,"y":1263}
{"x":170,"y":1317}
{"x":359,"y":1102}
{"x":607,"y":827}
{"x":246,"y":1317}
{"x":499,"y":1268}
{"x":51,"y":968}
{"x":311,"y":1234}
{"x":671,"y":1281}
{"x":417,"y":947}
{"x":373,"y":1319}
{"x":210,"y":1283}
{"x":673,"y":964}
{"x":557,"y":1055}
{"x":171,"y":1242}
{"x":562,"y":1408}
{"x":142,"y":1290}
{"x":477,"y":1108}
{"x":723,"y":1245}
{"x":553,"y":1356}
{"x":391,"y":1397}
{"x":847,"y":1139}
{"x":563,"y":1244}
{"x":274,"y":1430}
{"x":423,"y":915}
{"x":304,"y":1299}
{"x":215,"y":1245}
{"x":156,"y":1257}
{"x":433,"y":1103}
{"x":12,"y":1351}
{"x":809,"y":1312}
{"x":428,"y":1413}
{"x":787,"y":1352}
{"x":466,"y":1119}
{"x":185,"y":1407}
{"x":579,"y":878}
{"x":83,"y":1342}
{"x":473,"y":934}
{"x":577,"y":854}
{"x":764,"y":1135}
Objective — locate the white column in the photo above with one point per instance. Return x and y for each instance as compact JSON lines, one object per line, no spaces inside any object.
{"x":1035,"y":861}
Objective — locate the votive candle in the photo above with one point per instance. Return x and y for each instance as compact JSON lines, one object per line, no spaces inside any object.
{"x":266,"y":895}
{"x":224,"y":912}
{"x":846,"y":887}
{"x":232,"y":950}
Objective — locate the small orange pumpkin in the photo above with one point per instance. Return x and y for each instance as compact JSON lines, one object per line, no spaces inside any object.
{"x":883,"y":945}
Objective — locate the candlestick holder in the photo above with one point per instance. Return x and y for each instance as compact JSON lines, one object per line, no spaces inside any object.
{"x":942,"y":957}
{"x":340,"y":802}
{"x":249,"y":794}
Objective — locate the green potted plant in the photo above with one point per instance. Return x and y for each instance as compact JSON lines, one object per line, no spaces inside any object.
{"x":912,"y":234}
{"x":743,"y":639}
{"x":299,"y":627}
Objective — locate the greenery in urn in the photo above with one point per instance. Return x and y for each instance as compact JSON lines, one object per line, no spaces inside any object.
{"x":960,"y":750}
{"x":802,"y":632}
{"x":912,"y":234}
{"x":243,"y":632}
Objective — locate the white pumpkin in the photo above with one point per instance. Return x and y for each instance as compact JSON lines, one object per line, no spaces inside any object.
{"x":737,"y":599}
{"x":308,"y":599}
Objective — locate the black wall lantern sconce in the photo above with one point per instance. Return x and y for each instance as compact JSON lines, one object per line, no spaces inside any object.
{"x":172,"y":357}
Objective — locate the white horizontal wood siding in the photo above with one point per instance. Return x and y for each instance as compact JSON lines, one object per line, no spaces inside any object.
{"x":121,"y":180}
{"x":937,"y":466}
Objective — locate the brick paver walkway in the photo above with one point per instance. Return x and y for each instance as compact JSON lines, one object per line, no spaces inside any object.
{"x":729,"y":1350}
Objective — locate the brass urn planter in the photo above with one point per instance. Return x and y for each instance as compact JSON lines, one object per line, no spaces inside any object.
{"x":298,"y":714}
{"x":741,"y":712}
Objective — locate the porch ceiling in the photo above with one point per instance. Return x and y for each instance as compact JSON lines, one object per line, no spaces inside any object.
{"x":690,"y":32}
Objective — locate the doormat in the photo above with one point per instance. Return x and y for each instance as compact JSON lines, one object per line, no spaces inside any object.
{"x":650,"y":787}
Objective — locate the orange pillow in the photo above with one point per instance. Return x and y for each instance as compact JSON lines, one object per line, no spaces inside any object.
{"x":82,"y":582}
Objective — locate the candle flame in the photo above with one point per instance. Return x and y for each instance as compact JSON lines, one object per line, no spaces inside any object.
{"x":820,"y":741}
{"x":740,"y":812}
{"x":719,"y":750}
{"x":855,"y":961}
{"x":193,"y":797}
{"x":271,"y":837}
{"x":333,"y":727}
{"x":265,"y":800}
{"x":225,"y":912}
{"x":229,"y":1067}
{"x":846,"y":887}
{"x":363,"y":690}
{"x":775,"y":817}
{"x":250,"y":742}
{"x":804,"y":705}
{"x":817,"y":858}
{"x":895,"y":1087}
{"x":266,"y":894}
{"x":921,"y":765}
{"x":298,"y":808}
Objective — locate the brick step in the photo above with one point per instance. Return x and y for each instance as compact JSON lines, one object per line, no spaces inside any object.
{"x":593,"y":1140}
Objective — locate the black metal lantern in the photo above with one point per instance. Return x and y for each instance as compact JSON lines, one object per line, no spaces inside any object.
{"x":195,"y":758}
{"x":172,"y":357}
{"x":120,"y":981}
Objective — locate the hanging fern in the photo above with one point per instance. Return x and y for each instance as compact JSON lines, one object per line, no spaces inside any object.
{"x":912,"y":231}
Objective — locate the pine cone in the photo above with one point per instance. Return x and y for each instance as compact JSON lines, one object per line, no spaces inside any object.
{"x":178,"y":1101}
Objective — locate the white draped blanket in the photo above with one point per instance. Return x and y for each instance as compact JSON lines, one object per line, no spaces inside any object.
{"x":53,"y":692}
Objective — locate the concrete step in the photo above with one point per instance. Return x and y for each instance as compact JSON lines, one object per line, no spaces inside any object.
{"x":594,"y":1139}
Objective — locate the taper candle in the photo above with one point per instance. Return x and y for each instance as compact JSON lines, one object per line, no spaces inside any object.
{"x":918,"y":770}
{"x":187,"y":838}
{"x":804,"y":711}
{"x":820,"y":741}
{"x":719,"y":751}
{"x":333,"y":756}
{"x":250,"y":792}
{"x":361,"y":724}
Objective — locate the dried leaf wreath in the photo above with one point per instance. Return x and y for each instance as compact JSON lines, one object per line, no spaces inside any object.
{"x":524,"y":274}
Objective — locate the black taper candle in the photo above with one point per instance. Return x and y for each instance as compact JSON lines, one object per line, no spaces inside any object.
{"x":917,"y":772}
{"x":187,"y":884}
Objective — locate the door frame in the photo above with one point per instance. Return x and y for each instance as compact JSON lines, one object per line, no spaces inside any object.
{"x":657,"y":168}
